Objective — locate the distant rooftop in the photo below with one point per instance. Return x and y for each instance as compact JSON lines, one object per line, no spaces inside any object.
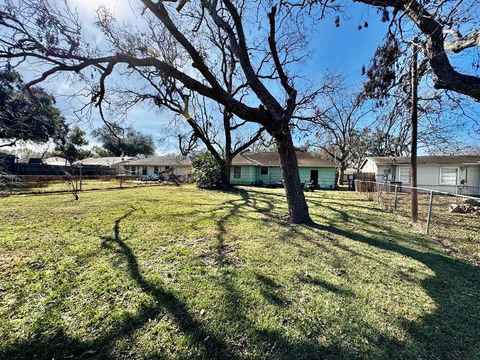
{"x":55,"y":160}
{"x":401,"y":160}
{"x":273,"y":159}
{"x":167,"y":160}
{"x":104,"y":161}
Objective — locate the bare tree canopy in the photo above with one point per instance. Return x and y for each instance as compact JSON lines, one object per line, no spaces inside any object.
{"x":442,"y":28}
{"x":41,"y":31}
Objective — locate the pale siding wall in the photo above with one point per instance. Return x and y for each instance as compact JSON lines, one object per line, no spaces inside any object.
{"x":369,"y":167}
{"x":305,"y":175}
{"x":183,"y":170}
{"x":473,"y":175}
{"x":251,"y":175}
{"x":274,"y":175}
{"x":326,"y":176}
{"x":428,"y":175}
{"x":380,"y":171}
{"x":248,"y":176}
{"x":179,"y":170}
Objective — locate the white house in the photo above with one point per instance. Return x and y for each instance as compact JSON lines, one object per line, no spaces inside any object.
{"x":115,"y":162}
{"x":456,"y":174}
{"x":55,"y":160}
{"x":179,"y":165}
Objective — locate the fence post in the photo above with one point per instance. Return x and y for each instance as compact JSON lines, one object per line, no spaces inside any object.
{"x":396,"y":198}
{"x":429,"y":216}
{"x":80,"y":168}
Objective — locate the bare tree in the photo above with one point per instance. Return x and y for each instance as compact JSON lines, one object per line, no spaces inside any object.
{"x":338,"y":116}
{"x":38,"y":30}
{"x":440,"y":27}
{"x":219,"y":132}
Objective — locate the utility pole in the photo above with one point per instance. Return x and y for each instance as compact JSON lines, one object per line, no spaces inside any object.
{"x":414,"y":124}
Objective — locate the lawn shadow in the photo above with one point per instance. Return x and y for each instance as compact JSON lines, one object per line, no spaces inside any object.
{"x":453,"y":329}
{"x":61,"y":345}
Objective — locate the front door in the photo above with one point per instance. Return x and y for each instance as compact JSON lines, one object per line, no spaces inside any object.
{"x":314,"y":178}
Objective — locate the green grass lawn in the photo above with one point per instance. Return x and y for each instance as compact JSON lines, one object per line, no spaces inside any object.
{"x":460,"y":233}
{"x":181,"y":273}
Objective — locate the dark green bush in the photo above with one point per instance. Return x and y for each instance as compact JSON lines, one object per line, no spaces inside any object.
{"x":207,"y":173}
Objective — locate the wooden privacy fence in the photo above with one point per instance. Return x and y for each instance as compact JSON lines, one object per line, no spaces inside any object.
{"x":364,"y":182}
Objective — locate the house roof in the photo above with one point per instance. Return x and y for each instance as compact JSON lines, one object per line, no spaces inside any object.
{"x":167,"y":160}
{"x":55,"y":160}
{"x":273,"y":159}
{"x":460,"y":159}
{"x":103,"y":161}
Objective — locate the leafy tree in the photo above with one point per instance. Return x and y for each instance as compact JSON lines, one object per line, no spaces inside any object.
{"x":27,"y":116}
{"x":70,"y":147}
{"x":124,"y":142}
{"x":100,"y":151}
{"x":207,"y":173}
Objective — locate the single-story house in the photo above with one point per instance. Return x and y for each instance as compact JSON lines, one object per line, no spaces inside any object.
{"x":56,"y":160}
{"x":179,"y":165}
{"x":456,"y":174}
{"x":264,"y":169}
{"x":114,"y":162}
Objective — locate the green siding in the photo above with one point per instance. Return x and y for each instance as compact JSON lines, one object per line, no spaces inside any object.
{"x":248,"y":176}
{"x":326,"y":176}
{"x":274,"y":175}
{"x":251,"y":175}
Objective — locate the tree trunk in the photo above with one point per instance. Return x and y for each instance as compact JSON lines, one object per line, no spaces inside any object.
{"x":225,"y":167}
{"x":297,"y":206}
{"x":340,"y":175}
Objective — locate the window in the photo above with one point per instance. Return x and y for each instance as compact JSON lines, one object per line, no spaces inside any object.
{"x":448,"y":176}
{"x":155,"y":170}
{"x":237,"y":172}
{"x":144,"y":170}
{"x":264,"y":170}
{"x":134,"y":169}
{"x":404,"y":175}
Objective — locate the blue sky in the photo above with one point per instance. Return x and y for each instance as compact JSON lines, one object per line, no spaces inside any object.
{"x":341,"y":49}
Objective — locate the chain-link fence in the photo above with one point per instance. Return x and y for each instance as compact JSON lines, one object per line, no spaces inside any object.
{"x":50,"y":184}
{"x":452,"y":219}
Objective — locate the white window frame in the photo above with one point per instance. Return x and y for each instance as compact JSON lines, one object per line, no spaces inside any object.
{"x":448,"y":167}
{"x":404,"y":168}
{"x":239,"y":174}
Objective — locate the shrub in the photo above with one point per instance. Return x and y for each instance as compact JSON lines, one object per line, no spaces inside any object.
{"x":207,"y":173}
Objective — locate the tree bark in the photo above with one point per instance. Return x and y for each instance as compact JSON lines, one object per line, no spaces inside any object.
{"x":297,"y":206}
{"x":225,"y":165}
{"x":340,"y":175}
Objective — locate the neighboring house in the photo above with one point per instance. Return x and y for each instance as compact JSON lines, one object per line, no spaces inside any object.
{"x":456,"y":174}
{"x":155,"y":165}
{"x":264,"y":169}
{"x":7,"y":162}
{"x":55,"y":160}
{"x":348,"y":174}
{"x":117,"y":163}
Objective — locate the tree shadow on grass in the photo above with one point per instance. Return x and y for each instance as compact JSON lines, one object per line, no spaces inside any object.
{"x":451,"y":331}
{"x":61,"y":345}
